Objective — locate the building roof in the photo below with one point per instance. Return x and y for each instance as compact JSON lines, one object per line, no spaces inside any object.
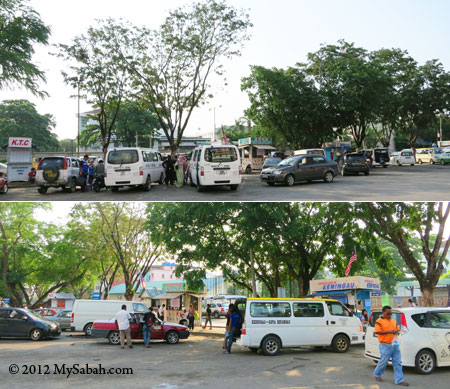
{"x":64,"y":296}
{"x":404,"y":284}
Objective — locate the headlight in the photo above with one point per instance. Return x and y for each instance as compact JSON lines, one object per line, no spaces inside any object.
{"x":53,"y":326}
{"x":277,"y":172}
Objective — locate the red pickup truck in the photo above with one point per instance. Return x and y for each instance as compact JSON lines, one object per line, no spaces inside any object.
{"x":170,"y":332}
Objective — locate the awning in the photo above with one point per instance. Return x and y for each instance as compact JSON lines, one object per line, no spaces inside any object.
{"x":198,"y":295}
{"x":168,"y":296}
{"x":329,"y":293}
{"x":264,"y":147}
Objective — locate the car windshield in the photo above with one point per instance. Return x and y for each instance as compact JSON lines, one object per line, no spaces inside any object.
{"x":119,"y":157}
{"x":289,"y":161}
{"x":272,"y":161}
{"x":33,"y":314}
{"x":221,"y":154}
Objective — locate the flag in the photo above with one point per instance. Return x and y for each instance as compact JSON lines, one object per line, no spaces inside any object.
{"x":225,"y":139}
{"x":143,"y":283}
{"x":353,"y":258}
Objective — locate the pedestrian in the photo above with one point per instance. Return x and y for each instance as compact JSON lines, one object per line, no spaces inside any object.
{"x":411,"y":303}
{"x":84,"y":172}
{"x":161,"y":312}
{"x":91,"y":171}
{"x":149,"y":320}
{"x":225,"y":340}
{"x":364,"y":319}
{"x":179,"y":169}
{"x":168,"y":166}
{"x":32,"y":176}
{"x":387,"y":331}
{"x":208,"y":316}
{"x":122,"y":319}
{"x":234,"y":326}
{"x":191,"y":316}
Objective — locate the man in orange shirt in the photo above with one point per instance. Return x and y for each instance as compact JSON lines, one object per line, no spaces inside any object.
{"x":386,"y":328}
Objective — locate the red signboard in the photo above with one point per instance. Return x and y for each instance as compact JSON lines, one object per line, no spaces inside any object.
{"x":24,"y":143}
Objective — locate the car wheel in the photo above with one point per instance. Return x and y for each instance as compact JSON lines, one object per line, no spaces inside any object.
{"x":161,"y":179}
{"x":234,"y":187}
{"x":340,"y":343}
{"x":248,"y":170}
{"x":216,"y":315}
{"x":114,"y":337}
{"x":420,"y":162}
{"x":88,"y":329}
{"x":148,"y":184}
{"x":42,"y":189}
{"x":343,"y":173}
{"x":5,"y":188}
{"x":328,"y":177}
{"x":432,"y":162}
{"x":271,"y":345}
{"x":366,"y":173}
{"x":200,"y":187}
{"x":72,"y":186}
{"x":254,"y":350}
{"x":114,"y":188}
{"x":425,"y":362}
{"x":35,"y":334}
{"x":271,"y":183}
{"x":398,"y":163}
{"x":290,"y":180}
{"x":412,"y":164}
{"x":172,"y":337}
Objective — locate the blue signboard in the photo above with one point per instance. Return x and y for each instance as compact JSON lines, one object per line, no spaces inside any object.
{"x":96,"y":296}
{"x":7,"y":300}
{"x":376,"y":293}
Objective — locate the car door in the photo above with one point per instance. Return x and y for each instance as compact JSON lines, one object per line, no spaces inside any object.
{"x":304,"y":169}
{"x":439,"y":329}
{"x":157,"y":330}
{"x":18,"y":323}
{"x":310,"y":323}
{"x":4,"y":329}
{"x":65,"y":319}
{"x":320,"y":167}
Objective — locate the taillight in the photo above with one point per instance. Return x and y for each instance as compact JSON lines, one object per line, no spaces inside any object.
{"x":141,"y":171}
{"x":65,"y":163}
{"x":265,"y":166}
{"x":39,"y":165}
{"x":243,"y":331}
{"x":72,"y":317}
{"x":403,"y":321}
{"x":240,"y":171}
{"x":222,"y":309}
{"x":202,"y":171}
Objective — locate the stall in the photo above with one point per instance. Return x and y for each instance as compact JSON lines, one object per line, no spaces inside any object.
{"x":358,"y":291}
{"x":335,"y":149}
{"x":253,"y":151}
{"x":20,"y":158}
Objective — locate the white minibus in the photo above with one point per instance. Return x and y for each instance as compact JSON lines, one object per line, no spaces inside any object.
{"x":85,"y":312}
{"x":133,"y":166}
{"x":215,"y":165}
{"x":273,"y":323}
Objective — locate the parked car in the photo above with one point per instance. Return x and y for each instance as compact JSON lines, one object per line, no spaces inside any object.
{"x":3,"y":184}
{"x":354,"y":163}
{"x":85,"y":312}
{"x":424,"y":337}
{"x":404,"y":157}
{"x":23,"y":323}
{"x":444,"y":157}
{"x":57,"y":172}
{"x":271,"y":162}
{"x":170,"y":332}
{"x":301,"y":168}
{"x":3,"y":169}
{"x":64,"y":318}
{"x":427,"y":155}
{"x":46,"y":311}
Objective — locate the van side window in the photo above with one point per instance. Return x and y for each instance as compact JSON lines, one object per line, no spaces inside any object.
{"x":308,"y":309}
{"x":270,"y":309}
{"x":337,"y":309}
{"x":154,"y":156}
{"x":420,"y":319}
{"x":439,"y":319}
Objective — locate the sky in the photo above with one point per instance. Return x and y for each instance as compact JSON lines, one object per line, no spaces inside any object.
{"x":284,"y":32}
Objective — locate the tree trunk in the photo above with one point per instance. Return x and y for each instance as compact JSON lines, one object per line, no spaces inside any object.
{"x":427,"y":296}
{"x":303,"y":286}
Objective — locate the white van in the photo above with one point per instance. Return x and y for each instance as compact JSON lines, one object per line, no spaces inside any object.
{"x":310,"y":151}
{"x":133,"y":166}
{"x":215,"y":165}
{"x":272,"y":323}
{"x":404,"y":157}
{"x":85,"y":312}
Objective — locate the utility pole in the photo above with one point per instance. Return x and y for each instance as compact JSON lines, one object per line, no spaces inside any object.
{"x":252,"y":263}
{"x":136,"y":139}
{"x":440,"y":128}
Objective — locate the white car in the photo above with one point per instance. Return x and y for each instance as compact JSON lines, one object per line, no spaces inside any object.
{"x":424,"y":337}
{"x":404,"y":157}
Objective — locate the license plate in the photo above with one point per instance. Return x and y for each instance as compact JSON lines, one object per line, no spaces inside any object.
{"x":222,"y":172}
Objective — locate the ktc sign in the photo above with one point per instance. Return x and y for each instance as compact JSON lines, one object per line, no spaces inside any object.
{"x":24,"y":143}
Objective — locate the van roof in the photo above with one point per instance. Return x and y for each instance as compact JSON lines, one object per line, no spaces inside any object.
{"x":289,"y":299}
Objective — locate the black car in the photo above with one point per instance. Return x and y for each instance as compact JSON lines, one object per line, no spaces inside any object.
{"x":23,"y":323}
{"x":301,"y":168}
{"x":353,"y":164}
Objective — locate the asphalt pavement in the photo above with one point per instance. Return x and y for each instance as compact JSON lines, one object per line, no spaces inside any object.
{"x":197,"y":362}
{"x":406,"y":183}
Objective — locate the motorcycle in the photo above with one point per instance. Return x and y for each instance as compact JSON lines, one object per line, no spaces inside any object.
{"x":99,"y":182}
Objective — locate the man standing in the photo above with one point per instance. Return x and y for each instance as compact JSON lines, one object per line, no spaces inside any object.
{"x":233,"y":327}
{"x":161,"y":312}
{"x":84,"y":168}
{"x":411,"y":303}
{"x":386,"y":328}
{"x":123,"y":322}
{"x":208,"y":316}
{"x":149,"y":320}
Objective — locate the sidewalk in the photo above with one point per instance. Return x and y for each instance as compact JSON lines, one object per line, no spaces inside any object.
{"x":216,"y":332}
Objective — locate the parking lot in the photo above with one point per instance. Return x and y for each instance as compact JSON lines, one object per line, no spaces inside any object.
{"x":406,"y":183}
{"x":196,"y":362}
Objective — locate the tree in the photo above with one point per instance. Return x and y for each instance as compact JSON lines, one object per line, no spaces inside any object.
{"x":278,"y":242}
{"x":288,"y":104}
{"x":100,"y":73}
{"x":398,"y":223}
{"x":67,"y":145}
{"x":173,"y":65}
{"x":133,"y":119}
{"x":122,"y":229}
{"x":21,"y":29}
{"x":20,"y":118}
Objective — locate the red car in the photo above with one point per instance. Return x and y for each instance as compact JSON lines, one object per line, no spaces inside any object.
{"x":46,"y":311}
{"x":170,"y":332}
{"x":3,"y":184}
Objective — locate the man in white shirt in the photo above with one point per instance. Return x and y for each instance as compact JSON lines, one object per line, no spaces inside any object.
{"x":411,"y":303}
{"x":161,"y":312}
{"x":123,"y":322}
